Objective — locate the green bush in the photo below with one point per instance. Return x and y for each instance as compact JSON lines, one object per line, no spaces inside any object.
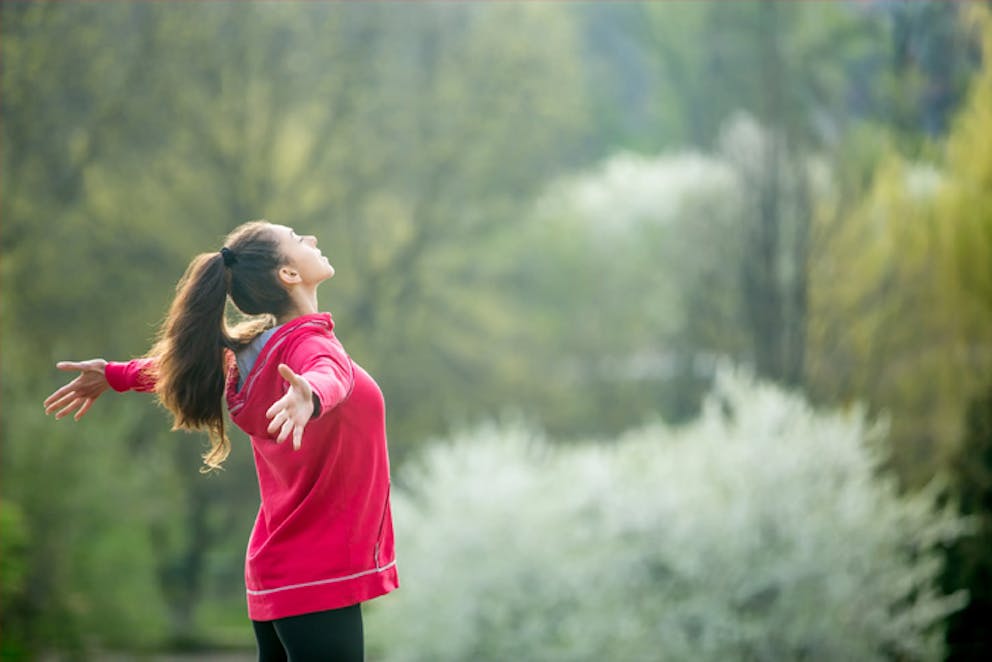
{"x":762,"y":531}
{"x":13,"y":575}
{"x":78,"y":563}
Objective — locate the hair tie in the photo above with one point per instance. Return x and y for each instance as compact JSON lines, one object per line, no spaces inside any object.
{"x":230,"y":259}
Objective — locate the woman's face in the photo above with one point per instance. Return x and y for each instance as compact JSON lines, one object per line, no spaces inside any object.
{"x":303,"y":256}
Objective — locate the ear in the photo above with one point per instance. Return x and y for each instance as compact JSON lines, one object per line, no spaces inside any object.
{"x":288,"y":275}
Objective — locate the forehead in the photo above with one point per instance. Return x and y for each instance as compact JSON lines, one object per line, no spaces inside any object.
{"x":283,"y":230}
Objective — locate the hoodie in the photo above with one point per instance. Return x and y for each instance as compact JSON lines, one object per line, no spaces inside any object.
{"x":323,"y":536}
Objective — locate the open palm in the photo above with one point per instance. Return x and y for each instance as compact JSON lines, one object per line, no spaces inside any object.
{"x":79,"y":394}
{"x":290,"y":414}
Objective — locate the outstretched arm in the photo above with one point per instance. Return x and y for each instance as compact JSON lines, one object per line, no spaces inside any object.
{"x":79,"y":394}
{"x":96,"y":376}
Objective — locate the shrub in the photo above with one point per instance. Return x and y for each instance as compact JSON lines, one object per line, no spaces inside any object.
{"x":762,"y":531}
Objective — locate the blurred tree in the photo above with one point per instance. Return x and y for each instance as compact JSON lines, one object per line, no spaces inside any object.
{"x":767,"y":62}
{"x":965,"y":236}
{"x":910,"y":333}
{"x":927,"y":74}
{"x":685,"y":69}
{"x":58,"y":121}
{"x":681,"y":69}
{"x":491,"y":111}
{"x":610,"y":276}
{"x":646,"y":288}
{"x":401,"y":136}
{"x":14,"y":564}
{"x":411,"y":139}
{"x":969,"y":561}
{"x":879,"y":328}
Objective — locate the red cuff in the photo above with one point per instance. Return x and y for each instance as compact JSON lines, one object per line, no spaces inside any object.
{"x":130,"y":375}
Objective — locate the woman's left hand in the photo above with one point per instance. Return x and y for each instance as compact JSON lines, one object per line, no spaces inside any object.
{"x":291,"y":413}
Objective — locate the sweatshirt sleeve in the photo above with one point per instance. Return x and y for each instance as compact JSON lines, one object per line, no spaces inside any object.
{"x":326,"y":367}
{"x":134,"y":375}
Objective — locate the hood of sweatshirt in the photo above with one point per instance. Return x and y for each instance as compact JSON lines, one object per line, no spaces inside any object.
{"x":302,"y":343}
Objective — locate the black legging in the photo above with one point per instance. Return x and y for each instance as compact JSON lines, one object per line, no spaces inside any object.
{"x":335,"y":635}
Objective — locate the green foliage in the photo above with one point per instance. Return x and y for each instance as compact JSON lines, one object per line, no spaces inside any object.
{"x":910,"y":334}
{"x":810,"y":70}
{"x":638,"y":273}
{"x":385,"y":131}
{"x":14,"y":546}
{"x":965,"y":208}
{"x":14,"y":566}
{"x":965,"y":204}
{"x":899,"y":293}
{"x":86,"y":567}
{"x":969,"y":563}
{"x":612,"y":264}
{"x":413,"y":139}
{"x":762,"y":530}
{"x":875,"y":328}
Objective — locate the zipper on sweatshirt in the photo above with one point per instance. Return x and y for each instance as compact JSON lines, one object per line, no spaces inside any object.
{"x":382,"y":523}
{"x":263,"y":360}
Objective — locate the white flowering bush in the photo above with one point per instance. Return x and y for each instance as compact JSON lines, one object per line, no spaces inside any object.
{"x":763,"y":531}
{"x":600,"y":243}
{"x":630,"y":190}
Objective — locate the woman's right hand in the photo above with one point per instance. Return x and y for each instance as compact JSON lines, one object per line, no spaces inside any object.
{"x":79,"y":394}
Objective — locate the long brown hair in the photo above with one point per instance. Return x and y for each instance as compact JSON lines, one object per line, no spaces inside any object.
{"x":192,"y":341}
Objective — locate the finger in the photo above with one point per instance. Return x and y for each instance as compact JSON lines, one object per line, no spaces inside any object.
{"x":297,"y":437}
{"x":59,"y":399}
{"x":60,"y":393}
{"x":68,"y":409}
{"x":67,"y":397}
{"x":294,"y":380}
{"x":287,"y":373}
{"x":52,"y":400}
{"x":73,"y":366}
{"x":87,"y":403}
{"x":277,"y":406}
{"x":301,"y":384}
{"x":276,"y":423}
{"x":287,"y":427}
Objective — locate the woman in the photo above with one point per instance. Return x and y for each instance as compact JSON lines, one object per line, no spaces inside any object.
{"x":323,"y":540}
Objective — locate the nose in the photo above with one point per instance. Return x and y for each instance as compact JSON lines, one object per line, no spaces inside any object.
{"x":312,"y":240}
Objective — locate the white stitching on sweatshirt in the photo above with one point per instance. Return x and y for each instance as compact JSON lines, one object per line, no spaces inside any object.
{"x":322,"y":581}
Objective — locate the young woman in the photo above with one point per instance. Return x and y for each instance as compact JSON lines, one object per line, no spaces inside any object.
{"x":323,"y":540}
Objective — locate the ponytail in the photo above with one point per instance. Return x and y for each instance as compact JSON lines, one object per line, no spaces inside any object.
{"x":194,"y":338}
{"x":189,"y":353}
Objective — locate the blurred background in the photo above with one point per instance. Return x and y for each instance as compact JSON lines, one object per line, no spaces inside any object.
{"x":682,"y":312}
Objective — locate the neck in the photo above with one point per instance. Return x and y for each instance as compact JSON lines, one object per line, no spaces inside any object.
{"x":304,"y":303}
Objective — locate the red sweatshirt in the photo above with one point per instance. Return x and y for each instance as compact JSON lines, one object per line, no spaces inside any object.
{"x":323,"y":538}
